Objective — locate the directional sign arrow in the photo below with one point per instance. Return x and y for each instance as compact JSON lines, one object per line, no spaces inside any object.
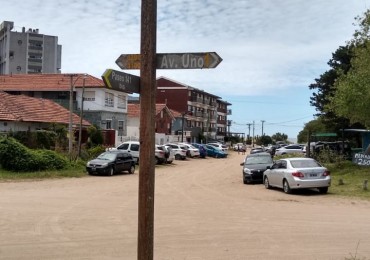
{"x":121,"y":81}
{"x":198,"y":60}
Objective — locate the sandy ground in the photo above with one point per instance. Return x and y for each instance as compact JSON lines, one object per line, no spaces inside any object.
{"x":202,"y":211}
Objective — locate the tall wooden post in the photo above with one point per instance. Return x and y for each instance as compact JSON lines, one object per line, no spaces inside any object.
{"x":147,"y":129}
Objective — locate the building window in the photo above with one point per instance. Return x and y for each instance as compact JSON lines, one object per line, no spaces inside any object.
{"x":108,"y":124}
{"x":109,"y":100}
{"x":120,"y":128}
{"x":89,"y":96}
{"x":121,"y":101}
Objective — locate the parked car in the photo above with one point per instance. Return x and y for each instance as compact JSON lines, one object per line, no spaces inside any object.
{"x":160,"y":154}
{"x":180,"y":151}
{"x":292,"y":148}
{"x":220,"y":146}
{"x":132,"y":147}
{"x":272,"y":149}
{"x":238,"y":146}
{"x":215,"y":152}
{"x":191,"y":150}
{"x":111,"y":162}
{"x":257,"y":150}
{"x":201,"y":148}
{"x":297,"y":173}
{"x":254,"y":166}
{"x":169,"y":153}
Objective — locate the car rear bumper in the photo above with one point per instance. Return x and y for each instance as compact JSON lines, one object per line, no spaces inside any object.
{"x":306,"y":184}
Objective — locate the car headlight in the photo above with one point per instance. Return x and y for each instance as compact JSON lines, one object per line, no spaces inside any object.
{"x":247,"y":171}
{"x":104,"y":165}
{"x":88,"y":164}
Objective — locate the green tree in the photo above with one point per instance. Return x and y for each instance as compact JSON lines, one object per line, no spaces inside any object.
{"x":324,"y":88}
{"x":314,"y":126}
{"x":352,"y":98}
{"x":332,"y":91}
{"x":279,"y":137}
{"x":352,"y":92}
{"x":264,"y":140}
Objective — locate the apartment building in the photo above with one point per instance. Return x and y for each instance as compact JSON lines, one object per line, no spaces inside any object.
{"x":28,"y":51}
{"x":203,"y":114}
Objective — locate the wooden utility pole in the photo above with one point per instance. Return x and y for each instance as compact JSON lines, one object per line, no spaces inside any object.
{"x":147,"y":129}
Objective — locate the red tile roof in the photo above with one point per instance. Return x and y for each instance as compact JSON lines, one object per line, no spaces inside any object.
{"x":47,"y":82}
{"x":30,"y":109}
{"x":133,"y":110}
{"x":175,"y":113}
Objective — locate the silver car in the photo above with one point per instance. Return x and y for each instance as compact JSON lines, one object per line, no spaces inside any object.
{"x":297,"y":173}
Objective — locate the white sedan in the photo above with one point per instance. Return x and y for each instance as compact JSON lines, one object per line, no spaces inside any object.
{"x":191,"y":150}
{"x":293,"y":148}
{"x":297,"y":173}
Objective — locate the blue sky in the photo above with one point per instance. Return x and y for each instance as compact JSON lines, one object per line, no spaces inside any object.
{"x":271,"y":49}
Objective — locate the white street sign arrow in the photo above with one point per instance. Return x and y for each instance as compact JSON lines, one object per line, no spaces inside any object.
{"x":197,"y":60}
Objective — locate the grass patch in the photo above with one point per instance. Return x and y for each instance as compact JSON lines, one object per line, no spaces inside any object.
{"x":352,"y":176}
{"x":75,"y":171}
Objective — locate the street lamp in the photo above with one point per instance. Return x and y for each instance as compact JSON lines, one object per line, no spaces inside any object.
{"x":70,"y":132}
{"x":182,"y":127}
{"x":81,"y":115}
{"x":182,"y":124}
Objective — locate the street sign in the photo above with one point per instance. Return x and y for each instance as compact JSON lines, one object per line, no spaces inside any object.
{"x":121,"y":81}
{"x":197,"y":60}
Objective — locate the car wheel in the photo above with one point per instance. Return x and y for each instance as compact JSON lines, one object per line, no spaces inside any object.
{"x":245,"y":181}
{"x":132,"y":169}
{"x":111,"y":171}
{"x":267,"y":183}
{"x":216,"y":156}
{"x":156,"y":161}
{"x":178,"y":157}
{"x":323,"y":190}
{"x":286,"y":187}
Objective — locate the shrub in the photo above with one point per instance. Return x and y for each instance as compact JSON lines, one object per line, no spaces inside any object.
{"x":96,"y":136}
{"x":14,"y":156}
{"x":329,"y":156}
{"x":95,"y":151}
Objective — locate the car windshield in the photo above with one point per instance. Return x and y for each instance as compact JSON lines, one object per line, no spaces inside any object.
{"x":258,"y":160}
{"x":160,"y":148}
{"x":107,"y":156}
{"x":304,"y":164}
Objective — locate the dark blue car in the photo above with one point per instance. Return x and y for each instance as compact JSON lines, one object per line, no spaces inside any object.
{"x":202,"y":150}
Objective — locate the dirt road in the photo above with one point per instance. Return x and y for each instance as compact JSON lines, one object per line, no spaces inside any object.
{"x":202,"y":211}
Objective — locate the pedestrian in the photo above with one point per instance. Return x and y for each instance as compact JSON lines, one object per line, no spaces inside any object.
{"x":243,"y":149}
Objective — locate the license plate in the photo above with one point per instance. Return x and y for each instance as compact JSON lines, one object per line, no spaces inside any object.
{"x":313,"y":175}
